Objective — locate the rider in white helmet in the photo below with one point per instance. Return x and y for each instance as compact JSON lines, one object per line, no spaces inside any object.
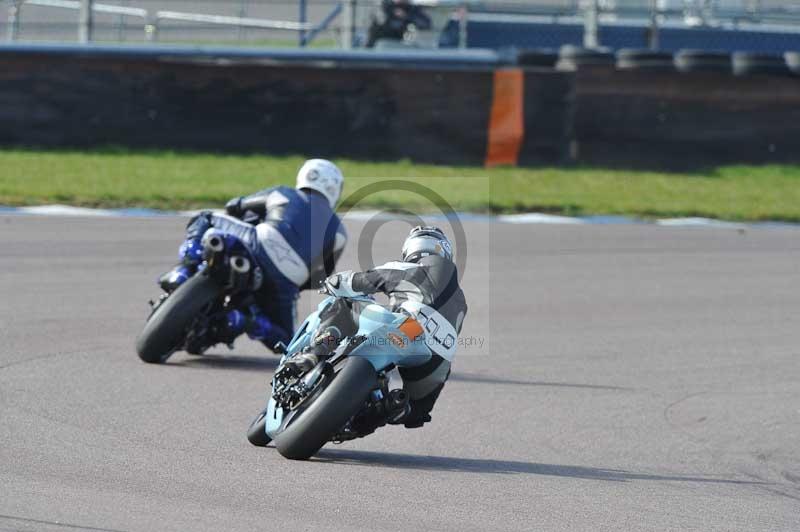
{"x":296,"y":238}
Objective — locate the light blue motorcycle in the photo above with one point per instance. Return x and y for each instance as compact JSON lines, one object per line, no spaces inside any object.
{"x":346,"y":395}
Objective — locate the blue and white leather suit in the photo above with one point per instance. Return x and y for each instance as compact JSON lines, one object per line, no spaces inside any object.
{"x":295,"y":237}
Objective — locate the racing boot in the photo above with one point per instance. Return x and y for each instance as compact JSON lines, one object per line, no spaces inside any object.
{"x":416,"y":419}
{"x":254,"y":323}
{"x":326,"y":341}
{"x":321,"y":346}
{"x":260,"y":327}
{"x":420,"y":405}
{"x":221,"y":328}
{"x":227,"y":327}
{"x":302,"y":362}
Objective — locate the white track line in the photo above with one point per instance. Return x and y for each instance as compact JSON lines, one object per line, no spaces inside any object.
{"x":523,"y":218}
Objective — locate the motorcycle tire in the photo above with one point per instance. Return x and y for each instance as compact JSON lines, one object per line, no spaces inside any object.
{"x":338,"y":402}
{"x":757,"y":64}
{"x":165,"y":330}
{"x":690,"y":61}
{"x":257,"y":434}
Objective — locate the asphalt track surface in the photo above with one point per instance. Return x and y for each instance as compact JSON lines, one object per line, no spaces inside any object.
{"x":631,"y":378}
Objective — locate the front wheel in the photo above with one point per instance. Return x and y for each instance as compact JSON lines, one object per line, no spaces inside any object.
{"x":257,"y":433}
{"x":341,"y":400}
{"x":165,"y":330}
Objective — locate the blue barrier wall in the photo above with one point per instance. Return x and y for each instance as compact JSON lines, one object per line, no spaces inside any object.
{"x":541,"y":35}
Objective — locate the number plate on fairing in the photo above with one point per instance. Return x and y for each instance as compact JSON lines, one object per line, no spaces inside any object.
{"x":440,"y":335}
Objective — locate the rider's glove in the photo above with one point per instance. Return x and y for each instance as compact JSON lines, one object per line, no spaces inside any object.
{"x":234,"y":207}
{"x":340,"y":285}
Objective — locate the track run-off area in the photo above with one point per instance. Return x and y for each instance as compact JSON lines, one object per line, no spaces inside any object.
{"x":610,"y":377}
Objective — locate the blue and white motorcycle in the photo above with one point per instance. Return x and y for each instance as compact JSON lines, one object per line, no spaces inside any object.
{"x":183,"y":318}
{"x":346,"y":395}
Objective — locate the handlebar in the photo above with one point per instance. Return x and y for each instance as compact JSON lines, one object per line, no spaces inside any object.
{"x":363,"y":298}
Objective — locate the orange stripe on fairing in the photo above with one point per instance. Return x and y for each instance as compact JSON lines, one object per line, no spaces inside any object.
{"x":411,"y":328}
{"x":506,"y":125}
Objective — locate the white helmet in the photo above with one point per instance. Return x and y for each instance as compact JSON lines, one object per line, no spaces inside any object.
{"x":324,"y":177}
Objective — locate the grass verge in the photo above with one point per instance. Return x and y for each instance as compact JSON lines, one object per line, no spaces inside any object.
{"x":170,"y":180}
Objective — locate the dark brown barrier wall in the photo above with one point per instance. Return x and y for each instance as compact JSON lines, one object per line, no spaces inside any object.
{"x":245,"y":105}
{"x":676,"y":120}
{"x":427,"y":107}
{"x":548,"y":111}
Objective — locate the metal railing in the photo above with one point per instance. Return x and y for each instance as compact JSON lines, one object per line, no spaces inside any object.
{"x":347,"y":20}
{"x":689,"y":12}
{"x":152,"y":19}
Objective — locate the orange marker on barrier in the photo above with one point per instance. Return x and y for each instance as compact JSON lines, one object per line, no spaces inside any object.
{"x":506,"y":123}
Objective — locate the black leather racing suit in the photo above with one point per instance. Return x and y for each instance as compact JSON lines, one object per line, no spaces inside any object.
{"x":429,"y":291}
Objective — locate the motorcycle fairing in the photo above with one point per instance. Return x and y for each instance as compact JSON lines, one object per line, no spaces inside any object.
{"x":386,"y":344}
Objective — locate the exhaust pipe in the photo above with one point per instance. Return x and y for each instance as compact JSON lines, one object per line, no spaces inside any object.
{"x":239,"y":272}
{"x":397,"y":407}
{"x":397,"y":400}
{"x":240,"y":264}
{"x":215,"y":243}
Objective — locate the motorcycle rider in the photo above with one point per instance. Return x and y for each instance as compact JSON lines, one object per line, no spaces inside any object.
{"x":424,"y":285}
{"x":394,"y":19}
{"x":295,"y":237}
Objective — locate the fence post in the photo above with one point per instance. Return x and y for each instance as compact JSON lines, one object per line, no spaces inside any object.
{"x":151,"y":26}
{"x":302,"y":18}
{"x":590,"y":9}
{"x":653,"y":40}
{"x":13,"y":20}
{"x":463,"y":16}
{"x":348,"y":24}
{"x":85,"y":21}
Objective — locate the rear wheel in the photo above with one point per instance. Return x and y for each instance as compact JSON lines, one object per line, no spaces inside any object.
{"x":635,"y":59}
{"x":538,"y":58}
{"x":576,"y":58}
{"x":793,"y":61}
{"x":341,"y":399}
{"x":754,"y":64}
{"x":703,"y":61}
{"x":165,"y":330}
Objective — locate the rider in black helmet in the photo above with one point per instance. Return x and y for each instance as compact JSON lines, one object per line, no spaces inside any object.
{"x":395,"y":18}
{"x":424,"y":284}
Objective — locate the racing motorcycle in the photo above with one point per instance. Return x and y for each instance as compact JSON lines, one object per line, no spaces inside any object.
{"x":346,"y":395}
{"x":184,"y":319}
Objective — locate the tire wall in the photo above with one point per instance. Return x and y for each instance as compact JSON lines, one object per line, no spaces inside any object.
{"x":676,"y":120}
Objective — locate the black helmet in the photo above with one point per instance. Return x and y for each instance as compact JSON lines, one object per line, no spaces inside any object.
{"x":426,"y":240}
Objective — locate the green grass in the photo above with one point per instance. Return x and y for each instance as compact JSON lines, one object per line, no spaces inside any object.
{"x":169,"y":180}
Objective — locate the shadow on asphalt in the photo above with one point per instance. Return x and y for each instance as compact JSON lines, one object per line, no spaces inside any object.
{"x":489,"y":379}
{"x":230,"y":362}
{"x":479,"y":465}
{"x":270,"y":362}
